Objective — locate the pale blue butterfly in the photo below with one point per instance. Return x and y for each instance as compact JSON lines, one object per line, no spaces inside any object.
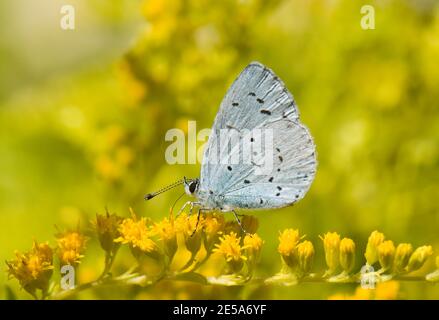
{"x":257,"y":99}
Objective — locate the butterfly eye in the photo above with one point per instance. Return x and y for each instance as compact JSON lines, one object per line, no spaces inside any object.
{"x":192,"y":187}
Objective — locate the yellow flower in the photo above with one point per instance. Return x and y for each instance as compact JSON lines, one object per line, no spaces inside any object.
{"x":288,"y":240}
{"x":253,"y":242}
{"x":213,"y":224}
{"x":419,"y":257}
{"x":107,"y":229}
{"x":375,"y":239}
{"x":71,"y":245}
{"x":386,"y":252}
{"x":230,"y":247}
{"x":331,"y":244}
{"x":33,"y":269}
{"x":135,"y":233}
{"x":402,"y":256}
{"x":347,"y":254}
{"x":305,"y":255}
{"x":253,"y":245}
{"x":167,"y":233}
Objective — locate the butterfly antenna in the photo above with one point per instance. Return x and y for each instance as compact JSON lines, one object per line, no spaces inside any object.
{"x":153,"y":194}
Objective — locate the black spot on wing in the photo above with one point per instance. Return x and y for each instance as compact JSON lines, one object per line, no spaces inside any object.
{"x":267,"y":112}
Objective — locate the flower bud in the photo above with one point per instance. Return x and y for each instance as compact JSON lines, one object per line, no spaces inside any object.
{"x":331,"y":244}
{"x":375,"y":239}
{"x":419,"y":257}
{"x":347,"y":254}
{"x":167,"y":234}
{"x":434,"y":276}
{"x":288,"y":240}
{"x":253,"y":245}
{"x":402,"y":256}
{"x":107,"y":229}
{"x":305,"y":255}
{"x":386,"y":252}
{"x":192,"y":229}
{"x":213,"y":225}
{"x":71,"y":245}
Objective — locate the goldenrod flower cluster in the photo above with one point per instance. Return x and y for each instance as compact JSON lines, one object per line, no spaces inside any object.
{"x":236,"y":252}
{"x":137,"y":235}
{"x":399,"y":260}
{"x":297,"y":256}
{"x":34,"y":269}
{"x":340,"y":255}
{"x":200,"y":237}
{"x":70,"y":247}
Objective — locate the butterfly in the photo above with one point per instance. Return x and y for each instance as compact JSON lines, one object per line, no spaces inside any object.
{"x":256,"y":103}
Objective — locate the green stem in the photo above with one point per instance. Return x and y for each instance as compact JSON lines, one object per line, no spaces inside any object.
{"x":109,"y":260}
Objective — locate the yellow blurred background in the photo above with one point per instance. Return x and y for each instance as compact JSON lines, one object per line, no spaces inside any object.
{"x":84,"y":112}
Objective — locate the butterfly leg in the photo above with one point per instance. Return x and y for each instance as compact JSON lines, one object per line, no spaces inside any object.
{"x":239,"y":221}
{"x":193,"y":204}
{"x":175,"y":202}
{"x":184,"y":206}
{"x":198,"y":220}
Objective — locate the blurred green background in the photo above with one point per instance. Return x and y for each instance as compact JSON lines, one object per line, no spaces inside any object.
{"x":83,"y":114}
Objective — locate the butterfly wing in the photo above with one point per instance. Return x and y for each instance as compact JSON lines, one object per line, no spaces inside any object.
{"x":258,"y":99}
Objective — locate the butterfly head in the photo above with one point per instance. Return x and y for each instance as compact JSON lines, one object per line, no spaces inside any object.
{"x":191,"y":186}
